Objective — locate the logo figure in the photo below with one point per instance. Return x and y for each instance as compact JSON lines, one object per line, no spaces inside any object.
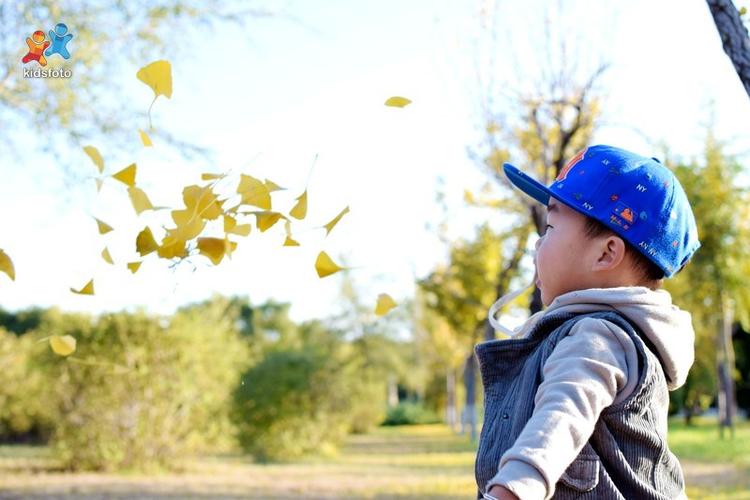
{"x":38,"y":45}
{"x":564,"y":172}
{"x":60,"y":41}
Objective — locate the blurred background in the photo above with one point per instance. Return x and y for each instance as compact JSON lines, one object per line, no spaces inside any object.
{"x":242,"y":366}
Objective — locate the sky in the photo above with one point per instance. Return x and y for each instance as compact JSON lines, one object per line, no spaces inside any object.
{"x":299,"y":100}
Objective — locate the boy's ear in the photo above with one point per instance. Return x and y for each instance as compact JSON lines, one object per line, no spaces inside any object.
{"x":609,"y":254}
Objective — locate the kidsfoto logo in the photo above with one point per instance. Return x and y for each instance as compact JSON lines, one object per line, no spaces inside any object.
{"x":40,"y":46}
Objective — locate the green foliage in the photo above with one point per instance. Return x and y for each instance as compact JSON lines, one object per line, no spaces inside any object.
{"x":410,"y":413}
{"x":718,"y":271}
{"x":141,"y":391}
{"x":296,"y":401}
{"x":24,"y":392}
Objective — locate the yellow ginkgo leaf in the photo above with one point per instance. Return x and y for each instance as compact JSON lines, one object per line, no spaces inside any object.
{"x":172,"y":246}
{"x":289,"y":242}
{"x":145,"y":242}
{"x":126,"y":175}
{"x":202,"y":201}
{"x":6,"y":265}
{"x":145,"y":139}
{"x":134,"y":266}
{"x":139,"y":199}
{"x":95,"y":156}
{"x":104,"y":228}
{"x":88,"y":289}
{"x":385,"y":304}
{"x":300,"y":209}
{"x":335,"y":220}
{"x":325,"y":266}
{"x":106,"y":256}
{"x":272,"y":186}
{"x":62,"y":345}
{"x":397,"y":101}
{"x":210,"y":177}
{"x":254,"y":192}
{"x":158,"y":76}
{"x":99,"y":183}
{"x":231,"y":226}
{"x":266,"y":220}
{"x":188,"y":224}
{"x":215,"y":248}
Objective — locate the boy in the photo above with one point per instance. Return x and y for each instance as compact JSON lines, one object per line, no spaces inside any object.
{"x":576,"y":404}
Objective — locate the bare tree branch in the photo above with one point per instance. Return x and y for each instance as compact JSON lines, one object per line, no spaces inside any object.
{"x":734,"y":37}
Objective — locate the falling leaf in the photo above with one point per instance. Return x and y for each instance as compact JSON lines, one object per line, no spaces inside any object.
{"x":145,"y":242}
{"x":300,"y":209}
{"x":139,"y":199}
{"x":397,"y":102}
{"x":188,"y":224}
{"x":385,"y":304}
{"x":172,"y":246}
{"x":325,"y":266}
{"x":6,"y":265}
{"x":62,"y":345}
{"x":145,"y":139}
{"x":88,"y":289}
{"x":266,"y":220}
{"x":210,"y":177}
{"x":231,"y":226}
{"x":289,"y":241}
{"x":215,"y":248}
{"x":158,"y":76}
{"x":126,"y":175}
{"x":95,"y":156}
{"x":134,"y":266}
{"x":335,"y":220}
{"x":202,"y":201}
{"x":272,"y":186}
{"x":254,"y":192}
{"x":106,"y":256}
{"x":104,"y":228}
{"x":99,"y":183}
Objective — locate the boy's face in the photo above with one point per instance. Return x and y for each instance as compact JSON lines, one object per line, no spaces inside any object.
{"x":561,"y":254}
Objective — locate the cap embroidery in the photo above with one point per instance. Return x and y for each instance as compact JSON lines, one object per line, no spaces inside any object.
{"x":578,"y":157}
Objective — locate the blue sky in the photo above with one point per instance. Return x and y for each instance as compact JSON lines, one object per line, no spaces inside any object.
{"x":294,"y":89}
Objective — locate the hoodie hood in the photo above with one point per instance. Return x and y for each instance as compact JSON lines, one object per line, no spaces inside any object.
{"x":668,"y":327}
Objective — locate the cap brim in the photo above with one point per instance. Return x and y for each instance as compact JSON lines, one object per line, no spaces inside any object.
{"x":531,"y":187}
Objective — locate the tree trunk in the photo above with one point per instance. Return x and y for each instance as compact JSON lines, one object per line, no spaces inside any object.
{"x":450,"y":405}
{"x":392,"y":391}
{"x":725,"y":367}
{"x":734,"y":37}
{"x":469,"y":415}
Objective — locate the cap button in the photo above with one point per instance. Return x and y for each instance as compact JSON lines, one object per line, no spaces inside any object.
{"x":655,"y":159}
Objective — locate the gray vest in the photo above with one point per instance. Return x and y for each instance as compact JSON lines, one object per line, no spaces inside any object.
{"x":627,"y":455}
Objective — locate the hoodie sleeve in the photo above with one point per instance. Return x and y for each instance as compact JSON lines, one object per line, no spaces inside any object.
{"x":583,"y":375}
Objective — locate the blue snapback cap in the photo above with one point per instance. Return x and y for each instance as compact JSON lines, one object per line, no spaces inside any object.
{"x":636,"y":197}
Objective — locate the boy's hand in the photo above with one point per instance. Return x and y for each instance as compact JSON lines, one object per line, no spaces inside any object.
{"x":502,"y":493}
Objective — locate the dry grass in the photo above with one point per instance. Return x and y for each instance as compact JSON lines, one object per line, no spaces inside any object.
{"x":398,"y":462}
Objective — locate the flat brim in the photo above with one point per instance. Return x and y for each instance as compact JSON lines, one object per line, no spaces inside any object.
{"x":531,"y":187}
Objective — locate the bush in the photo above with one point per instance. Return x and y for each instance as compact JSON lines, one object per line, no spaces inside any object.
{"x":294,"y":402}
{"x":410,"y":413}
{"x":141,"y":392}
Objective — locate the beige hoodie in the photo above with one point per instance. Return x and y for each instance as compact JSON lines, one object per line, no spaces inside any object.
{"x":594,"y":366}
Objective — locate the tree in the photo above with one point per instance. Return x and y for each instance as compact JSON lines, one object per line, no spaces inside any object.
{"x":540,"y":126}
{"x":734,"y":37}
{"x":713,"y":287}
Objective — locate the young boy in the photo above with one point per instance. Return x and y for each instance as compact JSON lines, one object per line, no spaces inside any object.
{"x":576,"y":403}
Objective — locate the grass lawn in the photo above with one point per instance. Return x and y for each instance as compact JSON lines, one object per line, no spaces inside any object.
{"x":406,"y":462}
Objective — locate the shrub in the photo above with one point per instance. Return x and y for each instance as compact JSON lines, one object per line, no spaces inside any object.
{"x":410,"y":413}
